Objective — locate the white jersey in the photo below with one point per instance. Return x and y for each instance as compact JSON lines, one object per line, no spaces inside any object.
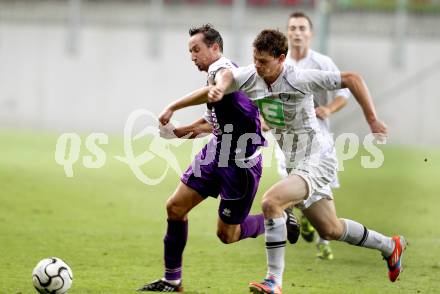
{"x":219,"y":64}
{"x":287,"y":107}
{"x":315,"y":60}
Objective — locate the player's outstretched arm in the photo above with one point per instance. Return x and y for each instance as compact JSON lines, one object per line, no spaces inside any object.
{"x":197,"y":129}
{"x":223,"y":80}
{"x":356,"y":84}
{"x":335,"y":105}
{"x":196,"y":97}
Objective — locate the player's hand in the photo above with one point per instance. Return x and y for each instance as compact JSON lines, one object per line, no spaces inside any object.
{"x":167,"y":131}
{"x":322,"y":112}
{"x":215,"y":94}
{"x":165,"y":116}
{"x":379,"y":130}
{"x":264,"y":126}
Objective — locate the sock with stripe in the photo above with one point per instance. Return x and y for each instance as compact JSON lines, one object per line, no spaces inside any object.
{"x":276,"y":235}
{"x":356,"y":234}
{"x":174,"y":244}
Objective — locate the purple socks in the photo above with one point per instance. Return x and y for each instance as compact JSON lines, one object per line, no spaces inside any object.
{"x":175,"y":241}
{"x":252,"y":227}
{"x":177,"y":234}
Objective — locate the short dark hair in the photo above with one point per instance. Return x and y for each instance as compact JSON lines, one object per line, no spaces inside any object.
{"x":299,"y":14}
{"x":210,"y":35}
{"x":273,"y":42}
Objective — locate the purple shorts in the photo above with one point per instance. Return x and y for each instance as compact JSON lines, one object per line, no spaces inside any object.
{"x":236,"y":185}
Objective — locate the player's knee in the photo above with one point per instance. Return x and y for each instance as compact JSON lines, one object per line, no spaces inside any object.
{"x":175,"y":211}
{"x":330,"y":232}
{"x":226,"y":237}
{"x":270,"y":206}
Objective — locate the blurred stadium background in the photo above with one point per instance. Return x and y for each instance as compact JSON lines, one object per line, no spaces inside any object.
{"x":86,"y":64}
{"x":83,"y":66}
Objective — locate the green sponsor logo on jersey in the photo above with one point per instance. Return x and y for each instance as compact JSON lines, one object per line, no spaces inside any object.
{"x":272,"y":111}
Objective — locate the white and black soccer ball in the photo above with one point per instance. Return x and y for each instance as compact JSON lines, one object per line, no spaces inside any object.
{"x":52,"y":276}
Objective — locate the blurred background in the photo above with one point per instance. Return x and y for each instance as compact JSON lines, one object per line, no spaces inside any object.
{"x":85,"y":65}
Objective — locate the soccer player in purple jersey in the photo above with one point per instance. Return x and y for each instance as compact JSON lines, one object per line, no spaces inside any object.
{"x":230,"y":164}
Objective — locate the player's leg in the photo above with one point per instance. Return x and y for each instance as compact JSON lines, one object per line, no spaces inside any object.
{"x":288,"y":191}
{"x":308,"y":233}
{"x":178,"y":206}
{"x":325,"y":251}
{"x":228,"y":233}
{"x":322,"y":215}
{"x":192,"y":190}
{"x":238,"y":189}
{"x":307,"y":230}
{"x":182,"y":201}
{"x":293,"y":227}
{"x":234,"y":222}
{"x":323,"y":245}
{"x":252,"y":227}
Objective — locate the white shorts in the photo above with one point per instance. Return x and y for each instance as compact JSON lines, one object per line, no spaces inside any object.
{"x":325,"y":193}
{"x":281,"y":164}
{"x":320,"y":176}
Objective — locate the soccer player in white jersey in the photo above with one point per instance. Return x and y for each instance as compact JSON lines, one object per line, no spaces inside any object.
{"x":284,"y":95}
{"x":299,"y":34}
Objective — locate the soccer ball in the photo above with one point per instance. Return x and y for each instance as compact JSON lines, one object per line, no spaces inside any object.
{"x":52,"y":276}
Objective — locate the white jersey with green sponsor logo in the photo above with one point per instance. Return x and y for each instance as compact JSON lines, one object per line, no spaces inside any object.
{"x":287,"y":106}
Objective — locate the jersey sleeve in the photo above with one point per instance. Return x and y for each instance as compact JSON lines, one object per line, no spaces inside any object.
{"x":215,"y":67}
{"x":242,"y":77}
{"x":313,"y":80}
{"x":328,"y":65}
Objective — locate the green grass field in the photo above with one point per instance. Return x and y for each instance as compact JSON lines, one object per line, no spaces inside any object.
{"x":108,"y":226}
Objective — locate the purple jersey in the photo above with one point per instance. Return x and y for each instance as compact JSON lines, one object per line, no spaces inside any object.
{"x":235,"y":121}
{"x":217,"y":169}
{"x":236,"y":126}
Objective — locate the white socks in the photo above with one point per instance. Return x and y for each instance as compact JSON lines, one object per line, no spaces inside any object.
{"x":276,"y":235}
{"x":357,"y":234}
{"x":172,"y":282}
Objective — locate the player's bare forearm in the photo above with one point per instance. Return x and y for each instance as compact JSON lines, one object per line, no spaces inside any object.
{"x":355,"y":83}
{"x":199,"y":96}
{"x":223,"y":81}
{"x":325,"y":111}
{"x":337,"y":104}
{"x":196,"y":129}
{"x":359,"y":89}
